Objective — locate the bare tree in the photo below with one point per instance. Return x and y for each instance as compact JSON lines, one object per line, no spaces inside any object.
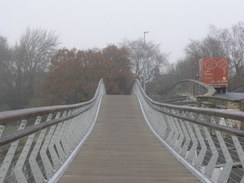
{"x":146,"y":58}
{"x":23,"y":66}
{"x":32,"y":57}
{"x":233,"y":43}
{"x":5,"y":55}
{"x":208,"y":47}
{"x":188,"y":67}
{"x":218,"y":43}
{"x":36,"y":46}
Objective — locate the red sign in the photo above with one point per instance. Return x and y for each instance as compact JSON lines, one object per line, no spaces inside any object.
{"x":214,"y":71}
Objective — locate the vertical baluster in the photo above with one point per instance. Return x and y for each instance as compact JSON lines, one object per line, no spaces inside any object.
{"x":36,"y":171}
{"x":178,"y":144}
{"x":176,"y":132}
{"x":238,"y":147}
{"x":152,"y":119}
{"x":191,"y":157}
{"x":163,"y":124}
{"x":10,"y":154}
{"x":229,"y":162}
{"x":1,"y":130}
{"x":80,"y":126}
{"x":157,"y":122}
{"x":171,"y":132}
{"x":203,"y":150}
{"x":69,"y":133}
{"x":18,"y":170}
{"x":43,"y":153}
{"x":200,"y":134}
{"x":64,"y":141}
{"x":75,"y":132}
{"x":72,"y":135}
{"x":167,"y":124}
{"x":53,"y":153}
{"x":60,"y":149}
{"x":213,"y":160}
{"x":185,"y":147}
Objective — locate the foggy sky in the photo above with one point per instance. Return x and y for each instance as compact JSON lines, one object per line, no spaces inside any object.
{"x":87,"y":24}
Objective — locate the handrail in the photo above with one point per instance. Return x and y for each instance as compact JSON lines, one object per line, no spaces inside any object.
{"x":35,"y":143}
{"x":7,"y":116}
{"x":235,"y":115}
{"x":207,"y":141}
{"x":30,"y":130}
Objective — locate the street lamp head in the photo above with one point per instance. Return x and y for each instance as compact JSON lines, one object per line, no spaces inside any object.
{"x":146,"y":32}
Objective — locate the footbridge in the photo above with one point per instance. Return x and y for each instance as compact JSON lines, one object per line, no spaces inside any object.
{"x":121,"y":139}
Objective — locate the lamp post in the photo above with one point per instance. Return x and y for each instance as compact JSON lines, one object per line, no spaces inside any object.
{"x":144,"y":61}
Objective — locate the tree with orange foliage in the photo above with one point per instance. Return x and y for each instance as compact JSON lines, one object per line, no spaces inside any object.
{"x":117,"y":71}
{"x":74,"y":74}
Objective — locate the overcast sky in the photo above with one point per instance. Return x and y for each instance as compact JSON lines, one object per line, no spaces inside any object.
{"x":87,"y":24}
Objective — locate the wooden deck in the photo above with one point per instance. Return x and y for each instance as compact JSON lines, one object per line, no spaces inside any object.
{"x":122,"y":149}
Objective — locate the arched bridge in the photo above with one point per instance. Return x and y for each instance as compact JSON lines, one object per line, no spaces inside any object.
{"x":121,"y":139}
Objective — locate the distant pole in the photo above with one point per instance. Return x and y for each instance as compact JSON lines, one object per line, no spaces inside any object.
{"x":144,"y":61}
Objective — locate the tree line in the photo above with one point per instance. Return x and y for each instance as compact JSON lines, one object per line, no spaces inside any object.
{"x":226,"y":42}
{"x":37,"y":72}
{"x":23,"y":66}
{"x":74,"y":74}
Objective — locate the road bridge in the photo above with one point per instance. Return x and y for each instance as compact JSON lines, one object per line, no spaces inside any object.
{"x":121,"y":139}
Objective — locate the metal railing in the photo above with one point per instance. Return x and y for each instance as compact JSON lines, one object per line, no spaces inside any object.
{"x":203,"y":139}
{"x":37,"y":144}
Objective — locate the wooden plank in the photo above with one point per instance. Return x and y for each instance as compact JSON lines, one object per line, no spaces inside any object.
{"x":121,"y":148}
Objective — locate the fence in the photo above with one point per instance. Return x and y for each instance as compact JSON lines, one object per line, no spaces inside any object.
{"x":36,"y":144}
{"x":203,"y":139}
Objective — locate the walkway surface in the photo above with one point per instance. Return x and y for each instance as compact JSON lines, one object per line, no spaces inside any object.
{"x":122,"y":149}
